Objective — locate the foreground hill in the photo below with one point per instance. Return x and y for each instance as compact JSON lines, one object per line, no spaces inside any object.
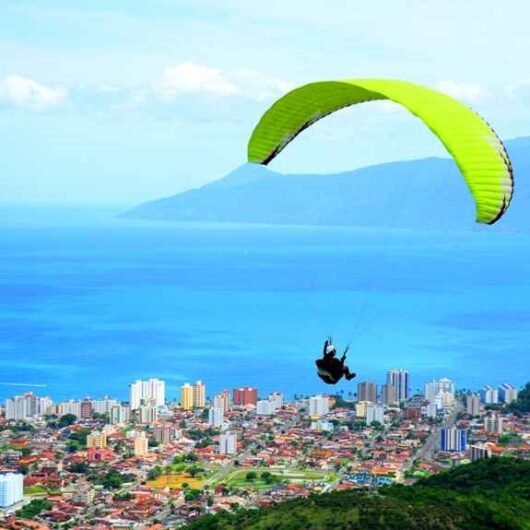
{"x":486,"y":495}
{"x":418,"y":194}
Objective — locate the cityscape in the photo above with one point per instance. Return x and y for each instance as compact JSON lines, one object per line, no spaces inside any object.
{"x":151,"y":463}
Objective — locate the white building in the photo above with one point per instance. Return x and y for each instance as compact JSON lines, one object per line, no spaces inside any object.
{"x":489,"y":395}
{"x":103,"y":406}
{"x":222,"y":401}
{"x":374,"y":413}
{"x":119,"y":414}
{"x":318,"y":406}
{"x":69,"y":407}
{"x":11,"y":489}
{"x":276,"y":398}
{"x":27,"y":407}
{"x":507,"y":393}
{"x":438,"y":386}
{"x":216,"y":416}
{"x":148,"y":414}
{"x":150,"y":390}
{"x":432,"y":410}
{"x":227,"y":443}
{"x":493,"y":424}
{"x":264,"y":407}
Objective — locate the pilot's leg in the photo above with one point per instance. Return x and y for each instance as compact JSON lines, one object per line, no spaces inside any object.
{"x":349,"y":375}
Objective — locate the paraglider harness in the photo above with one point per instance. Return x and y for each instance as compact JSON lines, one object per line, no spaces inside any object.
{"x":329,"y":368}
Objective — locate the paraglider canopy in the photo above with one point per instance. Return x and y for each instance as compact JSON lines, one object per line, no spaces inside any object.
{"x":474,"y":145}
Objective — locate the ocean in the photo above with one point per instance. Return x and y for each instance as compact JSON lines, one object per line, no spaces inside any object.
{"x":90,"y":302}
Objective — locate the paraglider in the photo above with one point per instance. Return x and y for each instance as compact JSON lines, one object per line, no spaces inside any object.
{"x":473,"y":144}
{"x":329,"y":368}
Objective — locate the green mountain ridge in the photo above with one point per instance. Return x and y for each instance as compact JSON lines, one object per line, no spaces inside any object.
{"x":486,"y":495}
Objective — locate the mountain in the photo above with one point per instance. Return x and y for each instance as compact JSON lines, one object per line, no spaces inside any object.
{"x":427,"y":193}
{"x":490,"y":493}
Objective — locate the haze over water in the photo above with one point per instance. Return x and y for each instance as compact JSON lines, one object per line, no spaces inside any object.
{"x":89,"y":303}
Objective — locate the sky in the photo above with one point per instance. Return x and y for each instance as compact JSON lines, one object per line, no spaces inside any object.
{"x":121,"y":101}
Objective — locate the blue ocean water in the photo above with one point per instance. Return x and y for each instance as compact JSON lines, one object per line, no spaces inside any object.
{"x":89,"y":303}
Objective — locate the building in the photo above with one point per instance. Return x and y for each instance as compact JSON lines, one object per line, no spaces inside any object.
{"x":69,"y":407}
{"x":141,"y":444}
{"x":276,"y":398}
{"x":186,"y":396}
{"x":227,"y":443}
{"x":26,"y":407}
{"x":150,"y":390}
{"x":438,"y":386}
{"x":318,"y":406}
{"x":473,"y":405}
{"x":412,"y":413}
{"x":388,"y":395}
{"x":493,"y":423}
{"x":148,"y":414}
{"x":400,"y":380}
{"x":96,"y":439}
{"x":164,"y":434}
{"x":199,"y":395}
{"x":479,"y":451}
{"x":375,"y":413}
{"x":11,"y":489}
{"x":489,"y":395}
{"x":222,"y":401}
{"x":507,"y":393}
{"x":241,"y":397}
{"x":86,"y":409}
{"x":431,"y":410}
{"x":104,"y":406}
{"x":367,"y":391}
{"x":360,"y":408}
{"x":119,"y":414}
{"x":453,"y":439}
{"x":264,"y":407}
{"x":216,"y":416}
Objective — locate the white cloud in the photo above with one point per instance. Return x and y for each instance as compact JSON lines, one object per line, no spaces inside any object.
{"x":470,"y":92}
{"x":195,"y":78}
{"x":258,"y":86}
{"x":26,"y":93}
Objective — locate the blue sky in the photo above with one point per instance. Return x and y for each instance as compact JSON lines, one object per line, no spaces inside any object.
{"x":119,"y":101}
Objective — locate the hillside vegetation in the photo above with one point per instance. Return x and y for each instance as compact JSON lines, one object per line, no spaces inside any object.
{"x":489,"y":494}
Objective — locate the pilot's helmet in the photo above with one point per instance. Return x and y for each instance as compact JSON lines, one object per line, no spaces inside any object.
{"x":331,"y":348}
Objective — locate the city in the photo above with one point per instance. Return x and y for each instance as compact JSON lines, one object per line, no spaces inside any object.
{"x":148,"y":463}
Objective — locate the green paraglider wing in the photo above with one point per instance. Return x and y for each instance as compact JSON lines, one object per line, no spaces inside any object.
{"x":475,"y":147}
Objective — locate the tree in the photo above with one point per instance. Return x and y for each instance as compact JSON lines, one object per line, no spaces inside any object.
{"x":251,"y":476}
{"x":66,"y":420}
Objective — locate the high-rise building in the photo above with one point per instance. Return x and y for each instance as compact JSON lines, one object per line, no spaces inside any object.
{"x":186,"y":396}
{"x":479,"y":451}
{"x":11,"y":489}
{"x":141,"y":444}
{"x":148,"y":414}
{"x":227,"y":443}
{"x":276,"y":398}
{"x":264,"y":407}
{"x":69,"y":407}
{"x":388,"y":395}
{"x":374,"y":413}
{"x":26,"y":407}
{"x":199,"y":395}
{"x":453,"y":439}
{"x":150,"y":390}
{"x":367,"y":391}
{"x":400,"y":380}
{"x":473,"y":404}
{"x":222,"y":400}
{"x":493,"y":423}
{"x":438,"y":386}
{"x":318,"y":406}
{"x":431,"y":410}
{"x":119,"y":414}
{"x":360,"y":408}
{"x":489,"y":395}
{"x":86,"y":409}
{"x":103,"y":406}
{"x":164,"y":434}
{"x":507,"y":393}
{"x":245,"y":396}
{"x":216,"y":416}
{"x":96,"y":439}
